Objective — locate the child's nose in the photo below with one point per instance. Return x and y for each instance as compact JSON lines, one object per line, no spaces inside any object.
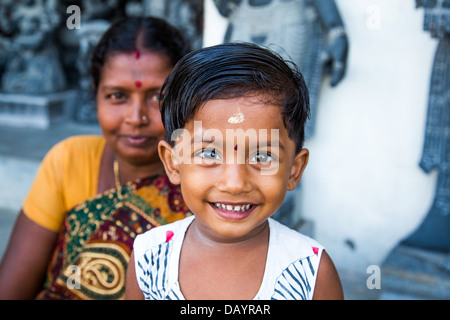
{"x":234,"y":179}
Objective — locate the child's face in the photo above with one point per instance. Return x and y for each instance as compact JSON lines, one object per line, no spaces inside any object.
{"x":235,"y":162}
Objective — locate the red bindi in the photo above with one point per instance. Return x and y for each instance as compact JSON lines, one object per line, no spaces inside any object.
{"x":138,"y":54}
{"x":235,"y":147}
{"x":138,"y":84}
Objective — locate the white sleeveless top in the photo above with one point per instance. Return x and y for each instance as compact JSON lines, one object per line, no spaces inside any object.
{"x":290,"y":274}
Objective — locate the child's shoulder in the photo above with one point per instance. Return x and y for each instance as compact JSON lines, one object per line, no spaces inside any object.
{"x":161,"y":234}
{"x":293,"y":242}
{"x":297,"y":259}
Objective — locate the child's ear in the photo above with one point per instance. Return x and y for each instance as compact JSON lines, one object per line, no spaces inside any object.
{"x":169,"y":161}
{"x":299,"y":165}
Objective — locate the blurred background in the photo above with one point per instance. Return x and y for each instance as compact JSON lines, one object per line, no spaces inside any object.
{"x":383,"y":218}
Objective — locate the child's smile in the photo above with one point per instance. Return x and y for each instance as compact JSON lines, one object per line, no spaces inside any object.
{"x":234,"y":211}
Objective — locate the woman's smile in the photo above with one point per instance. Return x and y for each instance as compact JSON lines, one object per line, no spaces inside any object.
{"x":139,"y":141}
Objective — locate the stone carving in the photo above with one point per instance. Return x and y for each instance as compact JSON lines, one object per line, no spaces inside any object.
{"x":32,"y":52}
{"x":434,"y":232}
{"x":40,"y":55}
{"x":33,"y":84}
{"x":186,"y":15}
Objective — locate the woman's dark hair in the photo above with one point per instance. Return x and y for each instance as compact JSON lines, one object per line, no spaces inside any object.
{"x":235,"y":70}
{"x":137,"y":33}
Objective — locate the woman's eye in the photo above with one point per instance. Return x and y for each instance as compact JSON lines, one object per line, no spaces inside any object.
{"x":261,"y":158}
{"x":116,"y":96}
{"x":154,"y":97}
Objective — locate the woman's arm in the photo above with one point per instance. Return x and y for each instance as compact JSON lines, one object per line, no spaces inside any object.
{"x":328,"y":284}
{"x":132,"y":290}
{"x":24,"y":263}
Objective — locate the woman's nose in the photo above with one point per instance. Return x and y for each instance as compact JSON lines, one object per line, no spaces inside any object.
{"x":135,"y":114}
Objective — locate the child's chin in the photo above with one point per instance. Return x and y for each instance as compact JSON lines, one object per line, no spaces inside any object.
{"x":233,"y":232}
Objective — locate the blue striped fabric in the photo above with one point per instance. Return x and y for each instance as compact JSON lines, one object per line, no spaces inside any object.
{"x":152,"y":272}
{"x":293,"y":283}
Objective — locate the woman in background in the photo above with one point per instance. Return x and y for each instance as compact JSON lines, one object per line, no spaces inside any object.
{"x":93,"y":194}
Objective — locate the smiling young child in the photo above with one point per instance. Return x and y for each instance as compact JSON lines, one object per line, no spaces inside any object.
{"x":234,"y":116}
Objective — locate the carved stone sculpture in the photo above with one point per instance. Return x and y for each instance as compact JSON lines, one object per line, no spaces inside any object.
{"x":434,"y":232}
{"x":32,"y":52}
{"x":186,"y":15}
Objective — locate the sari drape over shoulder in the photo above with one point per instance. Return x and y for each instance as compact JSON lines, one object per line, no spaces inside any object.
{"x":95,"y":243}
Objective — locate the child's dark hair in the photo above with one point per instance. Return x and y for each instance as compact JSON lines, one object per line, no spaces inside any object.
{"x":235,"y":70}
{"x":137,"y":33}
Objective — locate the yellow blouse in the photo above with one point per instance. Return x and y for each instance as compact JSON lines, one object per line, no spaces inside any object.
{"x":68,"y":175}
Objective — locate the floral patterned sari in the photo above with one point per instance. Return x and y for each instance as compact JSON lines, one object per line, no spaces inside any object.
{"x":94,"y":245}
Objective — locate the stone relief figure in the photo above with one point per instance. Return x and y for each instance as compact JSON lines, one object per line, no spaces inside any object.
{"x":33,"y":65}
{"x":186,"y":15}
{"x":6,"y":31}
{"x":308,"y":32}
{"x":102,"y":9}
{"x":434,"y":232}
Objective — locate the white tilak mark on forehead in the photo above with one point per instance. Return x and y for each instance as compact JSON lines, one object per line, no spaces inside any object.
{"x":238,"y":117}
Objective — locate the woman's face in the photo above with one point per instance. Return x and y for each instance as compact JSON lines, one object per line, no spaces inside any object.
{"x":128,"y":105}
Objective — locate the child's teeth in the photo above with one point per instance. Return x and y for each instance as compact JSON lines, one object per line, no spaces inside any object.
{"x":229,"y":207}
